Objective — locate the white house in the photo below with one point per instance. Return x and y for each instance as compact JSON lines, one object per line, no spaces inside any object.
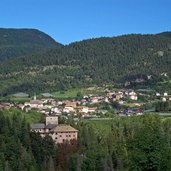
{"x":132,"y":95}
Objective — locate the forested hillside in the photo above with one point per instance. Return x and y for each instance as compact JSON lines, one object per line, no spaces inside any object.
{"x":18,"y":42}
{"x":130,"y":143}
{"x":136,"y":59}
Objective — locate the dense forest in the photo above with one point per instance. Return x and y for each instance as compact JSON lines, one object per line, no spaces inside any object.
{"x":19,"y":42}
{"x":128,"y":60}
{"x":130,"y":143}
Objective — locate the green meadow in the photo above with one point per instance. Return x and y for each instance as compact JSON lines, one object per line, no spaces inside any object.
{"x":74,"y":93}
{"x":31,"y":116}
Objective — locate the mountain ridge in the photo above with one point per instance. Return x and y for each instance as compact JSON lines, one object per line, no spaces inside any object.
{"x":97,"y":61}
{"x":19,"y":42}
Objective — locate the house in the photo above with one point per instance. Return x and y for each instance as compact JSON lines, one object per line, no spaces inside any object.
{"x":85,"y":96}
{"x":164,"y":99}
{"x":55,"y":110}
{"x":70,"y":103}
{"x":157,"y":94}
{"x":68,"y":109}
{"x":26,"y":108}
{"x":132,"y":95}
{"x":4,"y":105}
{"x":131,"y":112}
{"x":165,"y":94}
{"x":38,"y":127}
{"x":106,"y":100}
{"x":92,"y":109}
{"x":63,"y":133}
{"x":34,"y":103}
{"x":94,"y":100}
{"x":117,"y":96}
{"x":110,"y":94}
{"x":85,"y":109}
{"x":82,"y":109}
{"x":59,"y":133}
{"x":48,"y":100}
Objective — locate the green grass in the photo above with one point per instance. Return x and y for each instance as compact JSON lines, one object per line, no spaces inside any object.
{"x":101,"y":127}
{"x":67,"y":94}
{"x":31,"y":116}
{"x":72,"y":93}
{"x":163,"y":82}
{"x":166,"y":119}
{"x":129,"y":105}
{"x":15,"y":99}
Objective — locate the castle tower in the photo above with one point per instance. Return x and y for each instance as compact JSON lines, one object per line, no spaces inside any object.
{"x":51,"y":120}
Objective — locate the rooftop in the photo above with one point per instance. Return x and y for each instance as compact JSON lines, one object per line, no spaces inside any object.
{"x":36,"y":102}
{"x":51,"y":126}
{"x":64,"y":128}
{"x":37,"y":126}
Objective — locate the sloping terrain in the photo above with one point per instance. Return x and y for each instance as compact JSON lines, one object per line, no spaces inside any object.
{"x":132,"y":58}
{"x":19,"y":42}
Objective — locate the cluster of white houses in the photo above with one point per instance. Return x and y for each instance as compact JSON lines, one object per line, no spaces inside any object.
{"x":80,"y":106}
{"x":60,"y":133}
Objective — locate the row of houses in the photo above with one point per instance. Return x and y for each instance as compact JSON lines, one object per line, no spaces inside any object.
{"x":118,"y":95}
{"x":49,"y":104}
{"x":165,"y":97}
{"x":130,"y":112}
{"x":57,"y":107}
{"x":77,"y":107}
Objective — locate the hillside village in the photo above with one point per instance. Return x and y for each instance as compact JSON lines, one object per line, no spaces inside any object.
{"x":85,"y":85}
{"x":88,"y":105}
{"x":81,"y":106}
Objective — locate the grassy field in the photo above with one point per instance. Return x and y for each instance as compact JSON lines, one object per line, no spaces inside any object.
{"x":31,"y":116}
{"x":15,"y":99}
{"x":101,"y":127}
{"x":72,"y":93}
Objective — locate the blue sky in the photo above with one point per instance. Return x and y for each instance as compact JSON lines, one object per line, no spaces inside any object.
{"x":73,"y":20}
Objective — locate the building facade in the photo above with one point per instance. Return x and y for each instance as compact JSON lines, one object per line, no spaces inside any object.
{"x":60,"y":133}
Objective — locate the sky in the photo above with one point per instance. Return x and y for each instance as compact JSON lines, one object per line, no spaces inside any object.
{"x":74,"y":20}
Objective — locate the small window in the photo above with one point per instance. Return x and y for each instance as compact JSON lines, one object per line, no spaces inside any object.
{"x":60,"y":135}
{"x":56,"y":138}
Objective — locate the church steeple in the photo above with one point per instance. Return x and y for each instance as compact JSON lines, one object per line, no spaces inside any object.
{"x":35,"y":96}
